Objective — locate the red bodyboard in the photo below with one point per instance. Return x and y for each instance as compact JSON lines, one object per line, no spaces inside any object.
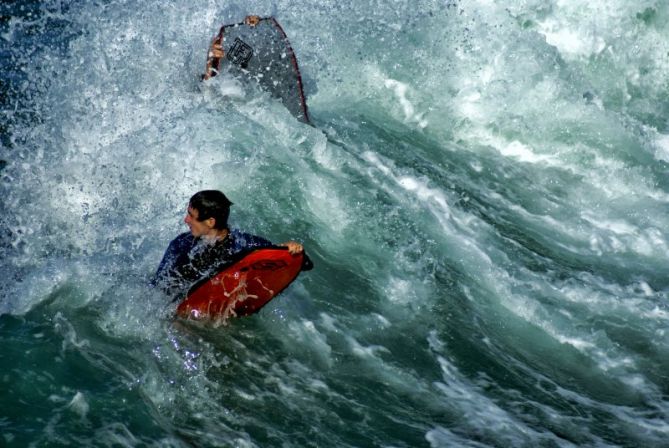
{"x":244,"y":287}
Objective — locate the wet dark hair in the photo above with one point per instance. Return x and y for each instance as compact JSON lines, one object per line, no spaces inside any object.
{"x":212,"y":204}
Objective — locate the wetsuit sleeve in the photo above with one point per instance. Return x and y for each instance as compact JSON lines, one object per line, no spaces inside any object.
{"x":175,"y":255}
{"x":245,"y":241}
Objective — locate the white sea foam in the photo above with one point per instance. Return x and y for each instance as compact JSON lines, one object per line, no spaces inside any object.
{"x":308,"y":336}
{"x":572,"y":42}
{"x":79,"y":405}
{"x":432,"y":198}
{"x":479,"y":413}
{"x":401,"y":91}
{"x":662,"y":144}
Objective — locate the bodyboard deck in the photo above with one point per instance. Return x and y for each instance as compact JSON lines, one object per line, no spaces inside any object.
{"x":244,"y":287}
{"x":259,"y":49}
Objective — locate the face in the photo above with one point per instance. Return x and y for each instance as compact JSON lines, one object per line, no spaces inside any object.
{"x":198,"y":228}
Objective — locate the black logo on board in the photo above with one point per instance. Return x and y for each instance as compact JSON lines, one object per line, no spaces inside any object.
{"x":269,"y":265}
{"x":240,"y":53}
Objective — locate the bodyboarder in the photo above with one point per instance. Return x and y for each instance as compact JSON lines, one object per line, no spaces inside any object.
{"x":209,"y":246}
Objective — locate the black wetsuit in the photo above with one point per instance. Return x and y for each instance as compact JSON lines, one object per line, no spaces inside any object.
{"x":189,"y":259}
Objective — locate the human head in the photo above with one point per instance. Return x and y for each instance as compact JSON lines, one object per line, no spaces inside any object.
{"x":211,"y":204}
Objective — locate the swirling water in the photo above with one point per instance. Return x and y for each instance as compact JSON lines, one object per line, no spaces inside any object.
{"x":484,"y":194}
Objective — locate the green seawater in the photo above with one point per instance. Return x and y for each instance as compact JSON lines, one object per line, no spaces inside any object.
{"x":483,"y":193}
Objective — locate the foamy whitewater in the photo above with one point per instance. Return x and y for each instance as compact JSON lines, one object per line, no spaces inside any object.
{"x":484,"y":194}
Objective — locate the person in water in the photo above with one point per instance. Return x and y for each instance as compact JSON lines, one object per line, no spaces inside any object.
{"x":208,"y":247}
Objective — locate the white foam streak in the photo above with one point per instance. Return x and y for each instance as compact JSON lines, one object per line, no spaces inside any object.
{"x":401,"y":91}
{"x":477,"y":412}
{"x":432,"y":198}
{"x":79,"y":405}
{"x":572,"y":42}
{"x":306,"y":335}
{"x":662,"y":144}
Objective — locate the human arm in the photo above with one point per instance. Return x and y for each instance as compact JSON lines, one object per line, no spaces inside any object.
{"x":293,"y":247}
{"x":174,"y":262}
{"x":216,"y":53}
{"x":243,"y":240}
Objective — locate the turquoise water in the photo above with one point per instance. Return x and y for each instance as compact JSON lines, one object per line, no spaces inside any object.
{"x":484,"y":194}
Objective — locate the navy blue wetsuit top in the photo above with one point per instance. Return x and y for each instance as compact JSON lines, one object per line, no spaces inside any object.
{"x":189,"y":259}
